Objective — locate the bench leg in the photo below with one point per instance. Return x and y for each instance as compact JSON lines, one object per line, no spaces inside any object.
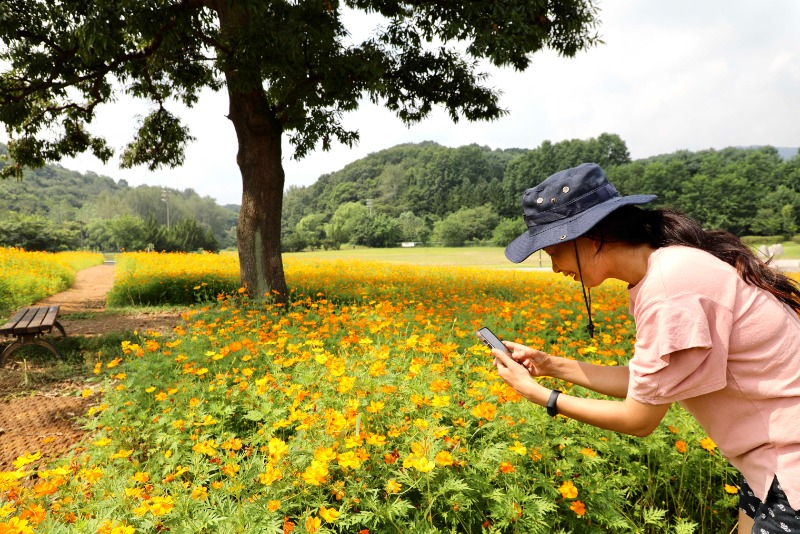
{"x":60,"y":328}
{"x":22,"y":341}
{"x":8,"y":350}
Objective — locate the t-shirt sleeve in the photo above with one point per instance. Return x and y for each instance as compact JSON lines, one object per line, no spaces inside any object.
{"x":681,"y":349}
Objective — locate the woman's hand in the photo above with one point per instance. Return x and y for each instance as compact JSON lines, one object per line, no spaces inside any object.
{"x":535,"y":361}
{"x":517,"y":374}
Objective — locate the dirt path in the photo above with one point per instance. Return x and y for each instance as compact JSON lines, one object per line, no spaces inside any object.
{"x":88,"y":295}
{"x":44,"y":420}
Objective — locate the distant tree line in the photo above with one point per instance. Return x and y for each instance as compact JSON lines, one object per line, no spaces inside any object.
{"x":428,"y":193}
{"x":53,"y":208}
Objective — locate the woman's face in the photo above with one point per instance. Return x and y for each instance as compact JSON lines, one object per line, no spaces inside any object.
{"x":564,"y":261}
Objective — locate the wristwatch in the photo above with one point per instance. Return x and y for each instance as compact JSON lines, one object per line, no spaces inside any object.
{"x":552,"y":409}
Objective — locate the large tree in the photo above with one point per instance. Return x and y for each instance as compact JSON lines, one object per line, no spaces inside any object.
{"x":289,"y":67}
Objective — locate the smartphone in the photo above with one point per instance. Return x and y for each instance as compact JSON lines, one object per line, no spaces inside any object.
{"x":491,"y":340}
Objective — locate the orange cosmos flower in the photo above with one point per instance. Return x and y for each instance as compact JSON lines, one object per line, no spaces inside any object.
{"x":568,"y":490}
{"x":34,"y":513}
{"x":578,"y":507}
{"x":44,"y":488}
{"x":485,"y":410}
{"x":507,"y":468}
{"x":708,"y":444}
{"x":680,"y":445}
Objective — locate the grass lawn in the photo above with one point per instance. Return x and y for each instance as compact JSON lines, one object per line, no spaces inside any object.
{"x":492,"y":257}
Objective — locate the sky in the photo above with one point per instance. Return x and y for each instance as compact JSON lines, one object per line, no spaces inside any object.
{"x":672,"y":75}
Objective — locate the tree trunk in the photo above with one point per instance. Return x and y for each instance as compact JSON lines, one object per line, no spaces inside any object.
{"x":259,"y":159}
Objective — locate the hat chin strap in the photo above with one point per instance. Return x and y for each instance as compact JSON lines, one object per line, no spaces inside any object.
{"x":587,"y":294}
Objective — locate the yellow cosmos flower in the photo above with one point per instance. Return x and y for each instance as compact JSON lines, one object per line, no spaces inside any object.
{"x":518,"y":448}
{"x":208,"y":447}
{"x":141,"y":477}
{"x":315,"y":474}
{"x":731,"y":489}
{"x":277,"y":448}
{"x":375,"y":406}
{"x":16,"y":526}
{"x":329,"y":514}
{"x":392,"y":486}
{"x":270,"y":475}
{"x":122,"y":453}
{"x":26,"y":459}
{"x":444,"y":458}
{"x":349,"y":459}
{"x":199,"y":493}
{"x":376,"y":439}
{"x":161,"y":505}
{"x":273,"y":505}
{"x":423,"y":465}
{"x":313,"y":524}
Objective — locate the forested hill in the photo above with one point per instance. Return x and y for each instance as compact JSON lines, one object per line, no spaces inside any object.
{"x":753,"y":190}
{"x":54,"y":194}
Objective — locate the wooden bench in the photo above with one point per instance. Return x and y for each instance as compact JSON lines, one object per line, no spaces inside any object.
{"x":27,"y":326}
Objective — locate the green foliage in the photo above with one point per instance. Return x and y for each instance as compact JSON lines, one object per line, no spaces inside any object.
{"x":464,"y":225}
{"x":740,"y":190}
{"x":70,"y":210}
{"x":507,"y":230}
{"x":34,"y":232}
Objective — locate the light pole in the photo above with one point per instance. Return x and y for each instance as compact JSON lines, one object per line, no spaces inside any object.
{"x":165,"y":198}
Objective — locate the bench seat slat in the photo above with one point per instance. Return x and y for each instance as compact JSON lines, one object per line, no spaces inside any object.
{"x":8,"y":328}
{"x":37,"y":323}
{"x":22,"y":326}
{"x":50,"y":318}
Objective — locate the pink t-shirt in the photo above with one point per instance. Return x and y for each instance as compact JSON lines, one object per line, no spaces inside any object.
{"x":729,"y":352}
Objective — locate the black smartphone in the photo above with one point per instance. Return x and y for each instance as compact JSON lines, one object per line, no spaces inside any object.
{"x":491,"y":340}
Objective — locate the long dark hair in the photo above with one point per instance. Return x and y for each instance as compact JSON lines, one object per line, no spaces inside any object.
{"x":663,"y":227}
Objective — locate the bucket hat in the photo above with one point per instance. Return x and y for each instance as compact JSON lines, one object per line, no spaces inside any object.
{"x":565,"y":206}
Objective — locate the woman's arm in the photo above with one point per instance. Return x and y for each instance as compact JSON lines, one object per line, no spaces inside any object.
{"x":604,"y":379}
{"x":628,"y":416}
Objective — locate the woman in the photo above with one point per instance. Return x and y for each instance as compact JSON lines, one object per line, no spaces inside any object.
{"x":717,"y":330}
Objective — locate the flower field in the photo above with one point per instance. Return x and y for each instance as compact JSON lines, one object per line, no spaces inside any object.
{"x":366,"y":405}
{"x":26,"y":277}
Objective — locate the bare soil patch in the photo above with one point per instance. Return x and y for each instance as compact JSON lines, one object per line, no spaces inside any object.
{"x":38,"y":412}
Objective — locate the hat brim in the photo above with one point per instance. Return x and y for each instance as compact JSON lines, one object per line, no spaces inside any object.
{"x":567,"y":229}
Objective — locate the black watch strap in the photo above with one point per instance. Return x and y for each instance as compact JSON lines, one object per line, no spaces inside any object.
{"x":552,"y":409}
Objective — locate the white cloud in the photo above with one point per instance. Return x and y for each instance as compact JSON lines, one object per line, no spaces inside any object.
{"x":672,"y":75}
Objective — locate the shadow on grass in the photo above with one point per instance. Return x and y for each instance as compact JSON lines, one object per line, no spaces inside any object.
{"x":33,"y":369}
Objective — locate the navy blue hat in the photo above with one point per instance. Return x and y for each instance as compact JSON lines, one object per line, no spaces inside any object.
{"x":566,"y":206}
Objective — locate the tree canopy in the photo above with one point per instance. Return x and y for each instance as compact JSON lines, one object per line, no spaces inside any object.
{"x":289,"y":67}
{"x":451,"y":193}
